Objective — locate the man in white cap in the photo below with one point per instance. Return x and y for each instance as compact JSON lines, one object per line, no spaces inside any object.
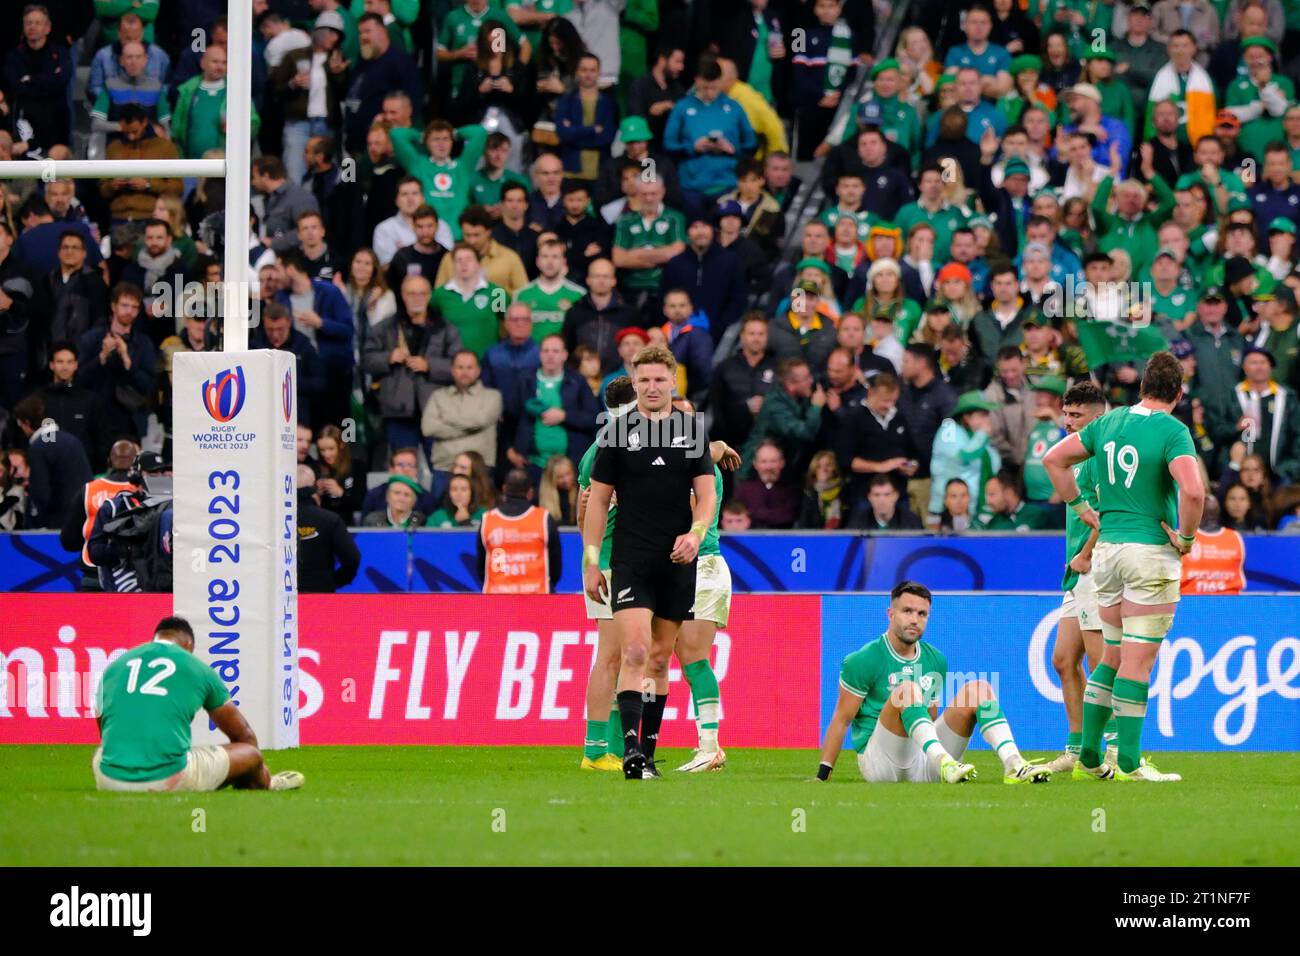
{"x":1083,"y":100}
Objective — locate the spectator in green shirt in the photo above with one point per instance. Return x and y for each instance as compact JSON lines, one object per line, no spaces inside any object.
{"x":459,"y":509}
{"x":471,"y":303}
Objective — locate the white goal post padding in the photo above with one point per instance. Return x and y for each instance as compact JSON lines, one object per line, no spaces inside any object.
{"x":235,"y":534}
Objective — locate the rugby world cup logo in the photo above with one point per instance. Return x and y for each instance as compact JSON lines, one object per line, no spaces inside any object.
{"x":286,"y":394}
{"x":223,"y":394}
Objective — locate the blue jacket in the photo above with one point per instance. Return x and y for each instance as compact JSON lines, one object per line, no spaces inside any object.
{"x":983,"y":116}
{"x":691,"y":118}
{"x":1064,"y":263}
{"x":692,"y":346}
{"x":334,"y":337}
{"x":105,"y":64}
{"x":505,"y":365}
{"x":715,"y":281}
{"x":575,"y":137}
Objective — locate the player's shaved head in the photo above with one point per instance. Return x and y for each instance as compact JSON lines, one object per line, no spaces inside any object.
{"x":122,"y":454}
{"x":177,"y":630}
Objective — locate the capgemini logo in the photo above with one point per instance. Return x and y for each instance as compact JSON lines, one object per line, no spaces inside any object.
{"x":223,"y":395}
{"x":286,"y":394}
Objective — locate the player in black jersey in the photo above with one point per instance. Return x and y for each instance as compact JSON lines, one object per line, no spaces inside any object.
{"x":652,"y":458}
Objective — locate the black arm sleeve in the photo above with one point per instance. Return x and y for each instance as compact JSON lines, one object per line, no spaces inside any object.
{"x":554,"y":553}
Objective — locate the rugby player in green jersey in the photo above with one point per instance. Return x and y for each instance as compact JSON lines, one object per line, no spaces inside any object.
{"x":1148,"y":479}
{"x":712,"y":608}
{"x":889,"y":690}
{"x":1079,"y":629}
{"x":147,"y":700}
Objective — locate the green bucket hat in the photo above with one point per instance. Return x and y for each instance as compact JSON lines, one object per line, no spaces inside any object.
{"x":1102,"y":54}
{"x":1049,"y":383}
{"x":634,"y":129}
{"x":1264,"y":42}
{"x":1282,"y":224}
{"x":972,"y":402}
{"x":887,"y":64}
{"x":812,"y":262}
{"x":1026,"y":61}
{"x":409,"y":482}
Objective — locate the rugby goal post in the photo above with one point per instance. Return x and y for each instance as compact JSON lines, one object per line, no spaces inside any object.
{"x":234,"y":429}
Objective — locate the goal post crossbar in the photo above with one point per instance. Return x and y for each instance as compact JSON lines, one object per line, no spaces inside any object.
{"x":52,"y":169}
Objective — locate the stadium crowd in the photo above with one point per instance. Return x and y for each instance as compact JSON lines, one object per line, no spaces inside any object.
{"x":468,"y":217}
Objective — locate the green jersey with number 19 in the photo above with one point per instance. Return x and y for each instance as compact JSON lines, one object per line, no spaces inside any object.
{"x":1133,"y":448}
{"x":875,"y":669}
{"x":147,"y":700}
{"x":1076,"y":532}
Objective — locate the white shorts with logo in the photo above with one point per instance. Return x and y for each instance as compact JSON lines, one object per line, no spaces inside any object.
{"x":1081,"y":602}
{"x":712,"y":590}
{"x":889,"y":758}
{"x":600,"y":610}
{"x":206,"y":768}
{"x":1141,"y":573}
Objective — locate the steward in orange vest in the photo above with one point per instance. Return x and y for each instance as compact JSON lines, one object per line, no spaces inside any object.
{"x":81,"y":517}
{"x":518,"y":543}
{"x":1215,"y":564}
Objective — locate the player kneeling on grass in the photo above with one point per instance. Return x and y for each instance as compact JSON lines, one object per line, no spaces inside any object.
{"x":147,"y":701}
{"x":888,"y":690}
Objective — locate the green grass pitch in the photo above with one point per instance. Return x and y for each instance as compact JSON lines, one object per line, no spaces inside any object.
{"x":389,"y":806}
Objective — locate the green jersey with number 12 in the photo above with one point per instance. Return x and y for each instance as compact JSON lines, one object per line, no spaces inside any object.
{"x":147,"y":700}
{"x":1132,"y":449}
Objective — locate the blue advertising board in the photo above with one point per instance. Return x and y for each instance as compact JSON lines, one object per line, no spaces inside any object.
{"x":761,"y":562}
{"x":1223,"y":681}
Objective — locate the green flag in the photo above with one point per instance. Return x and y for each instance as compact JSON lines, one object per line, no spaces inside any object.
{"x":1106,"y":343}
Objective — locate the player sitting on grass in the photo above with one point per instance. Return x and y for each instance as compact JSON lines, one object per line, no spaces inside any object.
{"x":888,"y":690}
{"x":148,"y":699}
{"x":1148,"y":476}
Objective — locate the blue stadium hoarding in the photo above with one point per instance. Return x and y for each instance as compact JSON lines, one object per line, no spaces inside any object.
{"x":761,"y":562}
{"x":1224,"y":681}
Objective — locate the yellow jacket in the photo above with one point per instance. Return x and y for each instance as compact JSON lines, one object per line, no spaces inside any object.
{"x":767,"y":125}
